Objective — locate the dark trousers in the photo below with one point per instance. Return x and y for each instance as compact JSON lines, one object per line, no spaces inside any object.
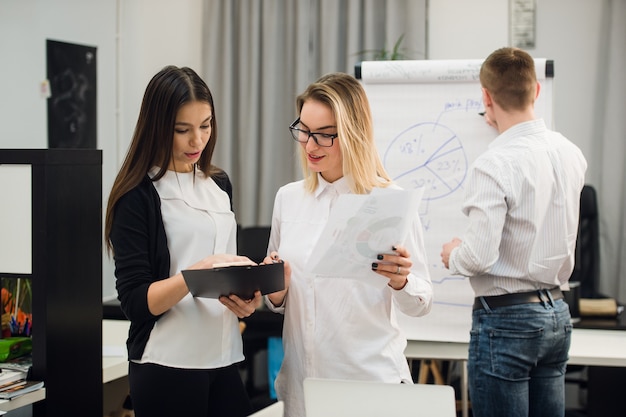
{"x":161,"y":391}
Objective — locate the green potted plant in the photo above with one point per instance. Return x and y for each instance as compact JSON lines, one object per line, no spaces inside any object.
{"x":396,"y":53}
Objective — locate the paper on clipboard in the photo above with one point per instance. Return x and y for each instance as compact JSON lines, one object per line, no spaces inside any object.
{"x":241,"y":280}
{"x":362,"y":226}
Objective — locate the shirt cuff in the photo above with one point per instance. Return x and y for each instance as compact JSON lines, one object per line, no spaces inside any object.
{"x":272,"y":307}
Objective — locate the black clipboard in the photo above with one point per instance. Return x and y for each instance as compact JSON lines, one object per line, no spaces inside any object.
{"x":241,"y":280}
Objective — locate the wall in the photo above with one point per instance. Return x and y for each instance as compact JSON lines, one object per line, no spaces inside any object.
{"x":571,"y":39}
{"x":152,"y":34}
{"x":135,"y":38}
{"x":24,"y":27}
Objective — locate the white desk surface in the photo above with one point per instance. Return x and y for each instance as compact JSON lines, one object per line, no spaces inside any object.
{"x":114,"y":358}
{"x":22,"y":400}
{"x":595,"y":347}
{"x":590,"y":347}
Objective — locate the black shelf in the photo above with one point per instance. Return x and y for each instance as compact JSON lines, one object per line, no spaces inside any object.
{"x":66,"y":276}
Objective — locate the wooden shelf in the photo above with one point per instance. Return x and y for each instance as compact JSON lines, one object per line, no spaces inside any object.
{"x":23,"y":400}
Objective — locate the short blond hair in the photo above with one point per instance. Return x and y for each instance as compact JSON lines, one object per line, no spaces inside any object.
{"x":346,"y":98}
{"x":509,"y":76}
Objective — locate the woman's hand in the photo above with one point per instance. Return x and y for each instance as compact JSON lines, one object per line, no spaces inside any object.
{"x":222,"y":258}
{"x":241,"y":308}
{"x":278,"y":297}
{"x":396,"y":267}
{"x":165,"y":293}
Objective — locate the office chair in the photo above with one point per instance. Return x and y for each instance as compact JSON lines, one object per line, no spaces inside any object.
{"x":587,"y":264}
{"x":344,"y":398}
{"x":252,"y":242}
{"x":586,"y":274}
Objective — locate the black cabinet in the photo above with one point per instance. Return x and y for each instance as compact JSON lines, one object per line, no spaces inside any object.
{"x":65,"y":273}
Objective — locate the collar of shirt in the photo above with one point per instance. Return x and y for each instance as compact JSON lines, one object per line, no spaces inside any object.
{"x":519,"y":130}
{"x":194,"y":189}
{"x":338,"y":187}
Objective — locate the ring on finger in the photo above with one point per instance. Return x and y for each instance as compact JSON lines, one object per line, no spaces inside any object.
{"x":398,"y":270}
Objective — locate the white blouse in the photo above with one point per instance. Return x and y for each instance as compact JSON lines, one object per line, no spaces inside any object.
{"x":196,"y":333}
{"x":338,"y":328}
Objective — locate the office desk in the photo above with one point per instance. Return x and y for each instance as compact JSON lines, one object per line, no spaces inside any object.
{"x":590,"y":347}
{"x":114,"y":356}
{"x":114,"y":364}
{"x":445,"y":351}
{"x":596,"y":347}
{"x":23,"y":400}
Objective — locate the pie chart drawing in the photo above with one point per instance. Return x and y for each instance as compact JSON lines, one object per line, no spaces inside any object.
{"x":427,"y":155}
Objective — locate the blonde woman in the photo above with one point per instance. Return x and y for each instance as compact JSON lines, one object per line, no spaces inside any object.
{"x":340,"y":328}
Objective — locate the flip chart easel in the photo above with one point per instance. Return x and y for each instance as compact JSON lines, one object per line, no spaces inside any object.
{"x":428,"y":132}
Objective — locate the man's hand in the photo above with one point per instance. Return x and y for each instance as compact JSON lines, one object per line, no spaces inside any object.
{"x":447,"y":248}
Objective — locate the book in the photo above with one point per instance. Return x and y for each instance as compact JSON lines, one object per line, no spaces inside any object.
{"x":242,"y":280}
{"x":18,"y":388}
{"x":8,"y":376}
{"x":601,"y":307}
{"x":23,"y":363}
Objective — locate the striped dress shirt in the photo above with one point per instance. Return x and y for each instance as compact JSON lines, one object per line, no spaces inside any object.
{"x":522,"y":202}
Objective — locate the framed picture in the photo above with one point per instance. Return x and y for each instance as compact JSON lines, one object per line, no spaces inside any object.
{"x":71,"y":72}
{"x":522,"y":23}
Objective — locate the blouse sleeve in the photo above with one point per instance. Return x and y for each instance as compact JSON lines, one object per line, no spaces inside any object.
{"x":416,"y":298}
{"x":274,"y":243}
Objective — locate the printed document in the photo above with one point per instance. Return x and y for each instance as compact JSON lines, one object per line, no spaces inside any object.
{"x":362,"y":226}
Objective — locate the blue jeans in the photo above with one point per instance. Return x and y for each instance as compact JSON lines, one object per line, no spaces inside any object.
{"x":517,"y":360}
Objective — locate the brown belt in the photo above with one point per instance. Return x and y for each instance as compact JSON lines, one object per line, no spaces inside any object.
{"x":537,"y":296}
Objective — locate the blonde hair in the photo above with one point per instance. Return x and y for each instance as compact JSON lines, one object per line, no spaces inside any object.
{"x":346,"y":98}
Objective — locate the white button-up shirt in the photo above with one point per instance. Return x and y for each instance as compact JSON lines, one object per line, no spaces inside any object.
{"x":338,"y":328}
{"x":198,"y":333}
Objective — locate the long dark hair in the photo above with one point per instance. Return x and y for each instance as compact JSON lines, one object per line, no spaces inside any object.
{"x":152,"y":141}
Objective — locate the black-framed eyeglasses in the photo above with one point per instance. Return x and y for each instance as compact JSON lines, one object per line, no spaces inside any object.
{"x":302,"y":136}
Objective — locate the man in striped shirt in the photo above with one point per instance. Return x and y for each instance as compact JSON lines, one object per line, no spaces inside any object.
{"x":522,"y":203}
